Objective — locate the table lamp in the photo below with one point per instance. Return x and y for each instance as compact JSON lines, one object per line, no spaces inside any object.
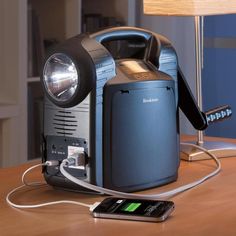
{"x":198,"y":9}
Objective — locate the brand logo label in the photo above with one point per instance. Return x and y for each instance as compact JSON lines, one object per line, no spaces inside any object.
{"x":150,"y":100}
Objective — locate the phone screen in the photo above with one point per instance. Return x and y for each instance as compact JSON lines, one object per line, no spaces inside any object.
{"x":135,"y":209}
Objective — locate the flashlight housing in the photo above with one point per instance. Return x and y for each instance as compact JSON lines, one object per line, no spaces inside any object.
{"x":68,"y":74}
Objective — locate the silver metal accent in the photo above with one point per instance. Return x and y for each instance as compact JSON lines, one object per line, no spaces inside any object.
{"x":202,"y":40}
{"x":198,"y":52}
{"x":220,"y":149}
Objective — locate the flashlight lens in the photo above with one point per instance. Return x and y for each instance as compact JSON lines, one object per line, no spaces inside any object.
{"x":60,"y":77}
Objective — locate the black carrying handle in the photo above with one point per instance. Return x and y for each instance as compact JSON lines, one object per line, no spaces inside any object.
{"x":127,"y":33}
{"x":119,"y":33}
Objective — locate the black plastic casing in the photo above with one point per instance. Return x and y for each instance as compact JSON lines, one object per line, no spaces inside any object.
{"x":132,"y":121}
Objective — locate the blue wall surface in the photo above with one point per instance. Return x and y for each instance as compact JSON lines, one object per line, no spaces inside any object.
{"x":219,"y":73}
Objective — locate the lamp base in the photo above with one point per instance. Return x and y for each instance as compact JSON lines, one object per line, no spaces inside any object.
{"x":220,"y":149}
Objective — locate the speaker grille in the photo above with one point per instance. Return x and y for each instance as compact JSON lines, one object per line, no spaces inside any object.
{"x":72,"y":121}
{"x":65,"y":122}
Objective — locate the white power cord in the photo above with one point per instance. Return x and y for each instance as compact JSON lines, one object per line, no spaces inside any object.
{"x":65,"y":163}
{"x":159,"y":196}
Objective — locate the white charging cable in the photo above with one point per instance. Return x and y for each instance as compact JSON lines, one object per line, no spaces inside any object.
{"x":163,"y":195}
{"x":27,"y":171}
{"x":37,"y":184}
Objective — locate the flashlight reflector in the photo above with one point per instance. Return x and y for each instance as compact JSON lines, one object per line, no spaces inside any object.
{"x":60,"y":77}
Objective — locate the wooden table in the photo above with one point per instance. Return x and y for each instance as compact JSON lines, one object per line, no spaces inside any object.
{"x":209,"y":209}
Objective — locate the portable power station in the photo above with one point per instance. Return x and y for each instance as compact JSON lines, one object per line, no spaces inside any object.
{"x":112,"y":102}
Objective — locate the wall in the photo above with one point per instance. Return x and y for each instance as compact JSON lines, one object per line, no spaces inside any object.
{"x":116,"y":8}
{"x":51,"y":13}
{"x":219,"y":70}
{"x":13,"y":119}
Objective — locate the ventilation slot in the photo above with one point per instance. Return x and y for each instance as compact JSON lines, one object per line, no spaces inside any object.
{"x":65,"y":123}
{"x":69,"y":125}
{"x":65,"y":116}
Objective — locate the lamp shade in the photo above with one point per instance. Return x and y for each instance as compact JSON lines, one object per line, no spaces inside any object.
{"x":189,"y":7}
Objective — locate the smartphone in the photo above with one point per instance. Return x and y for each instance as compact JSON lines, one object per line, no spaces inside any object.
{"x":134,"y":209}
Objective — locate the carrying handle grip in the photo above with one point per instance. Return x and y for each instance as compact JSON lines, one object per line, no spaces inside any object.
{"x":119,"y":33}
{"x":128,"y":33}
